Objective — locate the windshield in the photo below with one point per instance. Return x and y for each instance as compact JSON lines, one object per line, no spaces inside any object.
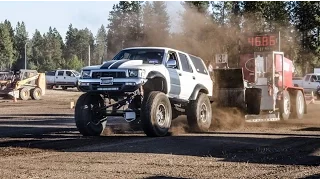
{"x":149,"y":56}
{"x":76,"y":73}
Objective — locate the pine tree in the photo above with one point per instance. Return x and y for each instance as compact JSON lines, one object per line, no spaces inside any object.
{"x":6,"y":47}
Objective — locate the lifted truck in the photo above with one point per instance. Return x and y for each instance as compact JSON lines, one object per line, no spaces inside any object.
{"x":156,"y":83}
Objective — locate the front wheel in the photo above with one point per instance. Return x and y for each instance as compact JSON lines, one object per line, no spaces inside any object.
{"x":36,"y":93}
{"x":156,"y":114}
{"x":88,"y":116}
{"x":285,"y":106}
{"x":199,"y":114}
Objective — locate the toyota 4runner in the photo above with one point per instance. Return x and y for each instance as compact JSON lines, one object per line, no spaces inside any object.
{"x":155,"y":84}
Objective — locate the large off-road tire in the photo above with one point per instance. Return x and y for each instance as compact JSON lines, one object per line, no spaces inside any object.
{"x":297,"y":105}
{"x":24,"y":94}
{"x":285,"y":106}
{"x":156,"y":114}
{"x":199,"y":113}
{"x":36,"y":93}
{"x":86,"y":118}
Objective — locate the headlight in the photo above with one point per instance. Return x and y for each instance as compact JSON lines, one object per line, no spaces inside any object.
{"x":85,"y":74}
{"x":133,"y":73}
{"x":136,"y":72}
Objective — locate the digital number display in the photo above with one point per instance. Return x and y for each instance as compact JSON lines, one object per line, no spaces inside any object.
{"x":262,"y":41}
{"x":259,"y":42}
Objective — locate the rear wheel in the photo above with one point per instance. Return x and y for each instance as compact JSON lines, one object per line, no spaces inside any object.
{"x":64,"y":87}
{"x":285,"y":106}
{"x":36,"y":93}
{"x":199,"y":113}
{"x":87,"y":116}
{"x":156,"y":114}
{"x":24,"y":94}
{"x":298,"y":105}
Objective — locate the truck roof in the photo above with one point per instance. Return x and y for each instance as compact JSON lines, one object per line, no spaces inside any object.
{"x":164,"y":48}
{"x":313,"y":74}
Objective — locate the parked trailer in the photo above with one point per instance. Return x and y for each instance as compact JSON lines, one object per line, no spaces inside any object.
{"x":262,"y":88}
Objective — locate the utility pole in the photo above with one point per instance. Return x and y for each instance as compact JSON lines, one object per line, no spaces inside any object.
{"x":25,"y":55}
{"x":89,"y":55}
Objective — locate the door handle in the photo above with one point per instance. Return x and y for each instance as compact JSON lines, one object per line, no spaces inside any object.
{"x":64,"y":77}
{"x":193,"y":77}
{"x":179,"y":74}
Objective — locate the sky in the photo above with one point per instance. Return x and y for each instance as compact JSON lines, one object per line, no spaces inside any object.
{"x":59,"y":14}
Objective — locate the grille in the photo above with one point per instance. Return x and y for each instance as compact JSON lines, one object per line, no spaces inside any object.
{"x":97,"y":75}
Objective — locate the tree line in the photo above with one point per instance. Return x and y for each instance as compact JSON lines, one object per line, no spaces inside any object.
{"x":205,"y":29}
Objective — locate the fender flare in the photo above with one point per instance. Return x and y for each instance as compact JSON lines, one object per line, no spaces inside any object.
{"x":155,"y":74}
{"x":196,"y":91}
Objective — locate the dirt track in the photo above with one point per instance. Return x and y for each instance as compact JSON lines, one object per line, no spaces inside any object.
{"x":38,"y":139}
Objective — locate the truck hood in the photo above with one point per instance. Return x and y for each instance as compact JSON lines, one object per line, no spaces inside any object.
{"x":121,"y":64}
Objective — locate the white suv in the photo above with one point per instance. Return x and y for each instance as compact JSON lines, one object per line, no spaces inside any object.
{"x":157,"y":83}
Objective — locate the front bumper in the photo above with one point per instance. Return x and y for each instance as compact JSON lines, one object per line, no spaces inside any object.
{"x":119,"y":85}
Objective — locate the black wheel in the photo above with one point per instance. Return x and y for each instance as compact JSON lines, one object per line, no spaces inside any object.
{"x":36,"y":93}
{"x":285,"y":106}
{"x":156,"y":114}
{"x":298,"y":105}
{"x":87,"y":116}
{"x":24,"y":94}
{"x":199,"y":113}
{"x":64,"y":87}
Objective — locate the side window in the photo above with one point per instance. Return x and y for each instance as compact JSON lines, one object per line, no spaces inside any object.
{"x":185,"y":63}
{"x":68,"y":73}
{"x":198,"y":64}
{"x":313,"y":78}
{"x":307,"y":78}
{"x":173,"y":55}
{"x":60,"y":73}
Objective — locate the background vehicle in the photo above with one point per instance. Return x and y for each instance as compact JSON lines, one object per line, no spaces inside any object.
{"x":64,"y":78}
{"x":23,"y":84}
{"x":156,"y":84}
{"x":261,"y":87}
{"x":309,"y":82}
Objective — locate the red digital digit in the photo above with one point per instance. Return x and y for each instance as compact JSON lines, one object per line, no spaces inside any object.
{"x":272,"y":41}
{"x":258,"y":41}
{"x":265,"y":41}
{"x":250,"y":40}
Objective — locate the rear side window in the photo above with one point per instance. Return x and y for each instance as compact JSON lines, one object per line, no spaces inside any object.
{"x":60,"y":73}
{"x":50,"y":73}
{"x":185,"y":63}
{"x":198,"y":64}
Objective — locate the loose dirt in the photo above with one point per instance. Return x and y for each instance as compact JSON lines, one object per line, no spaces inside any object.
{"x":38,"y":139}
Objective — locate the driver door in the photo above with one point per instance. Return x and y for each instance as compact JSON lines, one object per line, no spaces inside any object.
{"x":174,"y":73}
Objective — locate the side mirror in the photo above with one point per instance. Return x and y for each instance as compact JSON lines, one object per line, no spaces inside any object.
{"x":171,"y":63}
{"x":72,"y":75}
